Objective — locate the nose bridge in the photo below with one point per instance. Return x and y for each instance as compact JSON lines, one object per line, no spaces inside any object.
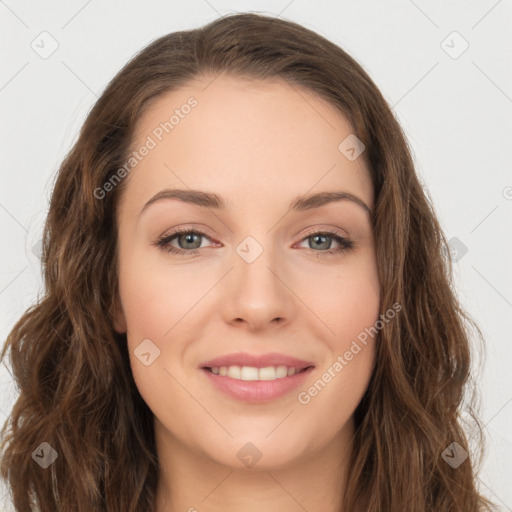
{"x":257,"y":293}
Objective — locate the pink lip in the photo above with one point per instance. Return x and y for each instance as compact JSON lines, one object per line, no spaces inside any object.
{"x":257,"y":361}
{"x":256,"y":391}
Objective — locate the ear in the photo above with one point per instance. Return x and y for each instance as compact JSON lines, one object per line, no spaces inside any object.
{"x":118,"y":317}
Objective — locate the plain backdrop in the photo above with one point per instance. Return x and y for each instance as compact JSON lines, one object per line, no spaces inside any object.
{"x":444,"y":68}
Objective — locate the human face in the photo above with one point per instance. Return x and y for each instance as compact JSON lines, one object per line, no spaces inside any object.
{"x":259,"y":145}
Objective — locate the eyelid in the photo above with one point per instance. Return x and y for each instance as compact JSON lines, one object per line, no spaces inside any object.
{"x":186,"y":229}
{"x":325,"y":229}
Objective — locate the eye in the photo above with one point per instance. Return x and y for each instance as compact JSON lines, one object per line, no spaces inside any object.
{"x":191,"y":240}
{"x":319,"y":241}
{"x":185,"y":237}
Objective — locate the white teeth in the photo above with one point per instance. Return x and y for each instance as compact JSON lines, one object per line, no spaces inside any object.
{"x":234,"y":372}
{"x":253,"y":373}
{"x":281,"y":371}
{"x":249,"y":373}
{"x":267,"y":373}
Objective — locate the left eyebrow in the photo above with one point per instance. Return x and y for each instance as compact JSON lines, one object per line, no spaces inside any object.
{"x":302,"y":203}
{"x":214,"y":201}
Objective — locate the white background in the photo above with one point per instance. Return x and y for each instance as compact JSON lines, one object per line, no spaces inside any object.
{"x":456,"y":112}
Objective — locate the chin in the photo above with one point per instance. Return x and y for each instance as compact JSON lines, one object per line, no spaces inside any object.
{"x":258,"y":451}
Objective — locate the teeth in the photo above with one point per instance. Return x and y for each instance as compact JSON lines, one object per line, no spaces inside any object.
{"x":281,"y":371}
{"x":249,"y":373}
{"x":234,"y":372}
{"x":268,"y":373}
{"x":252,"y":373}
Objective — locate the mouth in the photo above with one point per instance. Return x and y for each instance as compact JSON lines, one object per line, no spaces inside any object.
{"x":253,"y":373}
{"x":254,"y":385}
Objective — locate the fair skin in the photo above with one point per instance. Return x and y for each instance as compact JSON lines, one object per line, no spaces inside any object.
{"x":259,"y":145}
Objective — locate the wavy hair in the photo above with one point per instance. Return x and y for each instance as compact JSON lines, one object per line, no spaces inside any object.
{"x":72,"y":370}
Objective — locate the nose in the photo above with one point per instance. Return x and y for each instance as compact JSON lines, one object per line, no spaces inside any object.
{"x":256,"y":294}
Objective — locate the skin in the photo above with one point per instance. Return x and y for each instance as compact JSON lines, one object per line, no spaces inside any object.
{"x":259,"y":144}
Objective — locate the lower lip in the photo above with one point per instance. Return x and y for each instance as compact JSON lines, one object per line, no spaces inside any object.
{"x":257,"y":391}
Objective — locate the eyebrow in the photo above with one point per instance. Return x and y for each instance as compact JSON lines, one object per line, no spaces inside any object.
{"x":212,"y":200}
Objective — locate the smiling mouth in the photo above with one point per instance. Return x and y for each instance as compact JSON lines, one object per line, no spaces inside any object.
{"x":251,"y":373}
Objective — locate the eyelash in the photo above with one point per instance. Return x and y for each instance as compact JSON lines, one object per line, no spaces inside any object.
{"x":163,"y":242}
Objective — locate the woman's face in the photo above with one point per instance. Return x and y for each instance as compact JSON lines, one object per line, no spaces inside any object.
{"x":253,"y":277}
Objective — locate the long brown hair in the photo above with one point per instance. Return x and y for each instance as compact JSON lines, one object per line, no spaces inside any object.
{"x":72,"y":368}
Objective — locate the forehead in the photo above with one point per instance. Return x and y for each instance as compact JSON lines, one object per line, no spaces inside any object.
{"x":245,"y":139}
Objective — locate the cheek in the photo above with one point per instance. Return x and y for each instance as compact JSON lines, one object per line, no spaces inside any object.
{"x":349,"y":305}
{"x":153,"y":304}
{"x":347,"y":299}
{"x":358,"y":306}
{"x":153,"y":299}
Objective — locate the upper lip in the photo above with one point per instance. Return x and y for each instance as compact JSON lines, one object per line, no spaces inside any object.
{"x":257,"y":361}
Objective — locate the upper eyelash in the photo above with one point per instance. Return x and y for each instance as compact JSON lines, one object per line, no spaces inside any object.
{"x":163,"y":242}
